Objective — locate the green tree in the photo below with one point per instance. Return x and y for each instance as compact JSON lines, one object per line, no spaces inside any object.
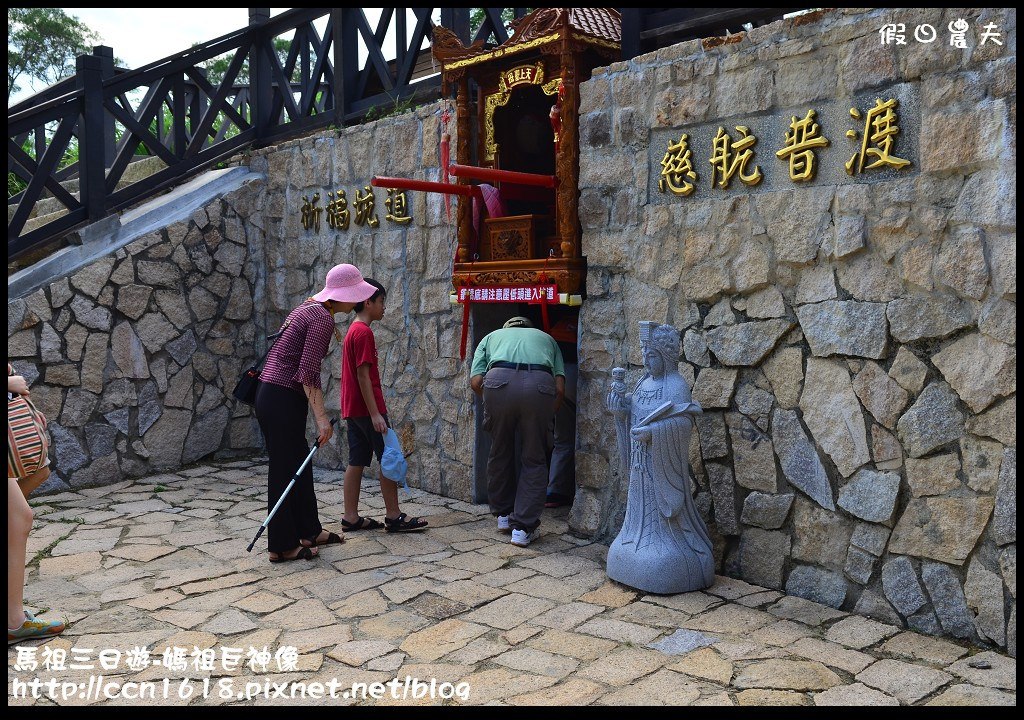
{"x":216,"y":68}
{"x":42,"y":44}
{"x":476,"y":18}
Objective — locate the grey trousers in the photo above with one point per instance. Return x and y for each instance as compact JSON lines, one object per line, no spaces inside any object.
{"x":518,"y":401}
{"x":562,"y":473}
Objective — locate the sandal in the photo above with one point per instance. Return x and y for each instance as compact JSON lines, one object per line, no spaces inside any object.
{"x":400,"y":524}
{"x":304,"y":553}
{"x":332,"y":539}
{"x":361,"y":524}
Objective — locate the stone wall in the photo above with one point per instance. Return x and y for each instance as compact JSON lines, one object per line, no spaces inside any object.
{"x":426,"y":386}
{"x":133,"y":357}
{"x":852,"y":339}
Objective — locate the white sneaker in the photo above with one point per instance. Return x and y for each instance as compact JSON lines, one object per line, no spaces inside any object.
{"x":503,"y":525}
{"x":523,"y":538}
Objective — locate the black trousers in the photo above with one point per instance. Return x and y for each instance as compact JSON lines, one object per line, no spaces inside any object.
{"x":281,"y":413}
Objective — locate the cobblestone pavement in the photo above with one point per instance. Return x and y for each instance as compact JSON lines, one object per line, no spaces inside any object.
{"x":161,"y":563}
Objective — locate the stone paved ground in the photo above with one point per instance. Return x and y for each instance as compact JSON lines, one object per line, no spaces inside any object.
{"x":161,"y":563}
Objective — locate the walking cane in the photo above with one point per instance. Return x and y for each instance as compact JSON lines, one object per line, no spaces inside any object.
{"x":316,"y":446}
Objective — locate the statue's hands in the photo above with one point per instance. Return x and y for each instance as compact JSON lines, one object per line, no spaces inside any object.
{"x":642,"y":434}
{"x":617,"y":404}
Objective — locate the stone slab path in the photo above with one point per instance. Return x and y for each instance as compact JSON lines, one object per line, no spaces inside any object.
{"x":159,"y":566}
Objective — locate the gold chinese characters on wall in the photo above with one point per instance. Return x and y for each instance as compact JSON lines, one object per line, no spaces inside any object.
{"x":338,"y":215}
{"x":734,"y":151}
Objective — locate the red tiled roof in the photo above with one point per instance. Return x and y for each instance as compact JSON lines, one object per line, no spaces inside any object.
{"x":600,"y":23}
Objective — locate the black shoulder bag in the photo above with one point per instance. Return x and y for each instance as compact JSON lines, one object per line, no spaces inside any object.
{"x":249,"y":382}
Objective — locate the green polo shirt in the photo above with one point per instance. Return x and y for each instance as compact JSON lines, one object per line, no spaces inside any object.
{"x":518,"y":345}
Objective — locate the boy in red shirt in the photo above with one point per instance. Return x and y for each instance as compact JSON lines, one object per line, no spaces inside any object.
{"x":362,"y":406}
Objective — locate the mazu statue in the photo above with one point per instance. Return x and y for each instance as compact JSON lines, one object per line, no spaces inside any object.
{"x":663,"y":546}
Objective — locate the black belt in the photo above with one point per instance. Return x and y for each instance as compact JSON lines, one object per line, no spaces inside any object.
{"x":521,"y":366}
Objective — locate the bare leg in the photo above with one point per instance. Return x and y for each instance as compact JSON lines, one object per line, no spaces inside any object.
{"x":19,"y":522}
{"x":389,"y":491}
{"x":353,"y":482}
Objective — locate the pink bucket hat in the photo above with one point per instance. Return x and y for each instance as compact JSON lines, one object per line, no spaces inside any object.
{"x":345,"y":284}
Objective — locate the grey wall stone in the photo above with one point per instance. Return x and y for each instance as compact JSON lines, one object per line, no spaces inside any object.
{"x":762,"y":556}
{"x":753,"y":458}
{"x":1004,"y":524}
{"x":932,"y":421}
{"x":922,"y":317}
{"x":766,"y":511}
{"x":859,"y":566}
{"x":799,"y":460}
{"x":873,"y":605}
{"x":870,"y":495}
{"x":947,"y":598}
{"x":869,"y":537}
{"x":833,"y":414}
{"x":984,"y":594}
{"x":746,"y":343}
{"x":900,"y":584}
{"x":845,"y":328}
{"x":820,"y":586}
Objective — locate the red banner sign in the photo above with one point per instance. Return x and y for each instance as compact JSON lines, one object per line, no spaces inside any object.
{"x":506,"y":294}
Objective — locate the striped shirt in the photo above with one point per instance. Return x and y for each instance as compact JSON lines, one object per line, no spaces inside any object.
{"x":296,"y":356}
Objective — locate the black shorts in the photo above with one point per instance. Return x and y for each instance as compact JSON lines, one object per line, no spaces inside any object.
{"x":363,"y":441}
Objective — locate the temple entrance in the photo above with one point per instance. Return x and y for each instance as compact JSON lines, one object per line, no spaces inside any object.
{"x":561,"y":459}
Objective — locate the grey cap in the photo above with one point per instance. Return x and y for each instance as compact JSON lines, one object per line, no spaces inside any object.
{"x":517,"y":321}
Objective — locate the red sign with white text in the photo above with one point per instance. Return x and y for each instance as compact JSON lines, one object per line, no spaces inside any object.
{"x":506,"y":294}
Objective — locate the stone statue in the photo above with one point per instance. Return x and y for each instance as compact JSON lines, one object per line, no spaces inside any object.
{"x":663,"y":546}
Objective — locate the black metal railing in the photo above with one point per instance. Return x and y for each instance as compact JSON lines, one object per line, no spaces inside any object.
{"x":283,"y":78}
{"x":171,"y":110}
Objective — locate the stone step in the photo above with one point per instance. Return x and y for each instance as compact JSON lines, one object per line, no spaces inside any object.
{"x":47,"y":205}
{"x":50,"y":208}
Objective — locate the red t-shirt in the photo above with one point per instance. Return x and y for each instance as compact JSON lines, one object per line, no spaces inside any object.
{"x":359,"y":349}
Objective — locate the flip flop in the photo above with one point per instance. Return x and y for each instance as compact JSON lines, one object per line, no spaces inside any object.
{"x":303,"y":554}
{"x":362,"y":523}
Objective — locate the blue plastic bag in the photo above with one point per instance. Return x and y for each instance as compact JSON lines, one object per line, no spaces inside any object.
{"x":392,"y":461}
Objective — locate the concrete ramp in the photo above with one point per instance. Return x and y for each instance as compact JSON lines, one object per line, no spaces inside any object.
{"x":108,"y":235}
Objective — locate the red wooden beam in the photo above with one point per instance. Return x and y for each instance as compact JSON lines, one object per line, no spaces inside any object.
{"x":509,"y":176}
{"x":426,"y":186}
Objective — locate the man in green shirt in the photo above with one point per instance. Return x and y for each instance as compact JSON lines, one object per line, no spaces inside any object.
{"x":518,"y":371}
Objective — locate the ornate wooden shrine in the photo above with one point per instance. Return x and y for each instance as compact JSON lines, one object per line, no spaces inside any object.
{"x":527,"y":145}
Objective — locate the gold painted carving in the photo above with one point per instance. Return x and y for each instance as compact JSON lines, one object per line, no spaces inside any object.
{"x":728,"y":157}
{"x":800,"y":146}
{"x":338,"y":214}
{"x":500,"y":52}
{"x":879,"y":128}
{"x":676,"y":166}
{"x":500,"y":98}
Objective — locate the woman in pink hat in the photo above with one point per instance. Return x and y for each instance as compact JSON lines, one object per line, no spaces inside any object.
{"x":289,"y":387}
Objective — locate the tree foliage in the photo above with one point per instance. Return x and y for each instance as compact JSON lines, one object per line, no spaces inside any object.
{"x":42,"y":44}
{"x":216,"y":68}
{"x":476,"y":18}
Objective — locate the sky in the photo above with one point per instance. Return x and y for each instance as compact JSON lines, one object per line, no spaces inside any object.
{"x":140,"y":36}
